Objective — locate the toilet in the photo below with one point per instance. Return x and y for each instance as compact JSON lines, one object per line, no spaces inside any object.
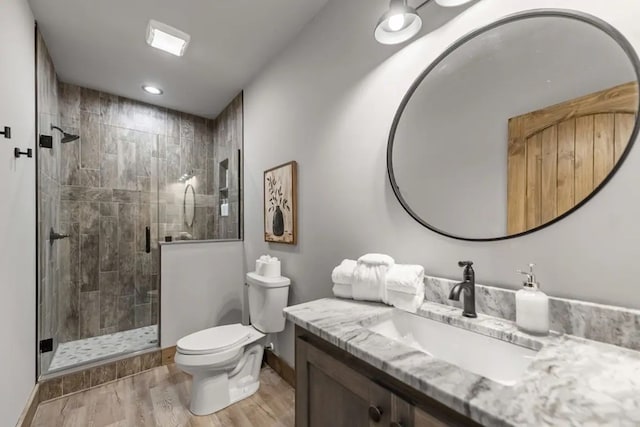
{"x":225,"y":361}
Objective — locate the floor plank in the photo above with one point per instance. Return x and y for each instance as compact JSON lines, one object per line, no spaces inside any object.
{"x":160,"y":397}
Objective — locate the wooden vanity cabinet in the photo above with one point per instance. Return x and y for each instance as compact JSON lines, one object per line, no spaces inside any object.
{"x":335,"y":389}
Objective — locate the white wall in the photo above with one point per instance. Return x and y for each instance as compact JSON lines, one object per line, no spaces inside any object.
{"x":17,"y":210}
{"x":328,"y":101}
{"x":201,"y":286}
{"x":452,"y":137}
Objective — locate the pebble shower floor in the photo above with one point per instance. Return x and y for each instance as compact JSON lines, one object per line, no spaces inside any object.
{"x":85,"y":350}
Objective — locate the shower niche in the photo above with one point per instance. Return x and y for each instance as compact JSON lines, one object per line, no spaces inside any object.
{"x":223,"y":190}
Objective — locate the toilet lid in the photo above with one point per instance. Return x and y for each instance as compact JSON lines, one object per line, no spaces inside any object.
{"x":214,"y":340}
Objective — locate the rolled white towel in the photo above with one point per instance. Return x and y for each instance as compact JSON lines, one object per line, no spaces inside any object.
{"x":404,"y":301}
{"x":343,"y":274}
{"x":342,"y":291}
{"x":369,"y":282}
{"x":376,"y":259}
{"x":406,"y":278}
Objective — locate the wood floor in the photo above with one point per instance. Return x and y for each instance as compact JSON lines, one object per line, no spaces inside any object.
{"x":160,"y":397}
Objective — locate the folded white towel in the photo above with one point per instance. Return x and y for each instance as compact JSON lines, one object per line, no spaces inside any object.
{"x":376,"y":259}
{"x":342,"y":291}
{"x":406,"y":278}
{"x":404,"y":301}
{"x":343,"y":274}
{"x":369,"y":282}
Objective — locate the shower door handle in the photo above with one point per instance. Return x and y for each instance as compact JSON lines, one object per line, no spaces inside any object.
{"x":147,"y":236}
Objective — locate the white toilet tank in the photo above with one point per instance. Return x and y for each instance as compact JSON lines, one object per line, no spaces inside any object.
{"x":268,"y":296}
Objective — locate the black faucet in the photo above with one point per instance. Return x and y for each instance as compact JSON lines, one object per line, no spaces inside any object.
{"x":468,"y":285}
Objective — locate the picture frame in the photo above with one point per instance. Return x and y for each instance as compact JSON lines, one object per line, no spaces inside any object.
{"x":280,"y":204}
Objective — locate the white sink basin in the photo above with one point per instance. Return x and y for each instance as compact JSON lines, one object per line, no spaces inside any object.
{"x":497,"y":360}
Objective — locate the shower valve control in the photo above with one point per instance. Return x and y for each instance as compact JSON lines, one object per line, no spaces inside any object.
{"x":45,"y":141}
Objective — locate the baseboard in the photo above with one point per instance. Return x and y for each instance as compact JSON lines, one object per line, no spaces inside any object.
{"x":29,"y":411}
{"x":168,"y":355}
{"x":281,"y":367}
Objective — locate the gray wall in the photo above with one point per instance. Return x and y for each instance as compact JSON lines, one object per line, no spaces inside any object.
{"x":201,"y":287}
{"x":452,"y":138}
{"x":18,"y":210}
{"x":328,"y":101}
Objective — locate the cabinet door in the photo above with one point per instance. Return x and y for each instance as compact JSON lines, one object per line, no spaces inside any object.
{"x":329,"y":393}
{"x":401,"y":412}
{"x":423,"y":419}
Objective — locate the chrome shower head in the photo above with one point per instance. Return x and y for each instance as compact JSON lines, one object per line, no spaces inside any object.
{"x":66,"y":137}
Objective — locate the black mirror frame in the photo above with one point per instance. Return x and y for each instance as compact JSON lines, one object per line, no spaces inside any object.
{"x":535,"y":13}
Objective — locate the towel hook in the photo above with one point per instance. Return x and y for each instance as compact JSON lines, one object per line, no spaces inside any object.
{"x":18,"y":153}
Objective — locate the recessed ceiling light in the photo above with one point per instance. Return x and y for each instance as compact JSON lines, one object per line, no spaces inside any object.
{"x":152,"y":90}
{"x":165,"y":37}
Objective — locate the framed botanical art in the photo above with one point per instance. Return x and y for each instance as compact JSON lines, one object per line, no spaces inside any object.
{"x":280,"y":216}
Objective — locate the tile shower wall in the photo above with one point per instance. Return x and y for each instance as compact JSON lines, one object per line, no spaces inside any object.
{"x":107,"y":200}
{"x":50,"y":273}
{"x":200,"y":146}
{"x":228,"y":139}
{"x":121,"y":176}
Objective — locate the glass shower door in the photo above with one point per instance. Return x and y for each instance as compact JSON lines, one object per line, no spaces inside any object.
{"x":98,"y":245}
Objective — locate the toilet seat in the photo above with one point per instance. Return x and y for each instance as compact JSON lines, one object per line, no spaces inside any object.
{"x":217,"y":346}
{"x":215,"y":340}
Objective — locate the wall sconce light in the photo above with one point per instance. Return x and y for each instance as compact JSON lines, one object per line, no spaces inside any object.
{"x":402,"y":22}
{"x":398,"y":24}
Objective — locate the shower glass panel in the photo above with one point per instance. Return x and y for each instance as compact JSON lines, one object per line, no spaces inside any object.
{"x":200,"y":199}
{"x":99,"y":250}
{"x":98,"y":201}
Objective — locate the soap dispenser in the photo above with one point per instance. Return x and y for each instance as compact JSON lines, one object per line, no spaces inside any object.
{"x":532,"y":306}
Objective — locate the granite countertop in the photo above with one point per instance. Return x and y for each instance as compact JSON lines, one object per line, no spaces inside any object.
{"x":571,"y":381}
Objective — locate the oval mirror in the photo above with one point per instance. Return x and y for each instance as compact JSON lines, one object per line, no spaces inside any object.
{"x":189,"y":205}
{"x":516,"y":126}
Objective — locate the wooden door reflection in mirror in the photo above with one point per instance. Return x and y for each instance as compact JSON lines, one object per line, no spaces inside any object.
{"x":558,"y":155}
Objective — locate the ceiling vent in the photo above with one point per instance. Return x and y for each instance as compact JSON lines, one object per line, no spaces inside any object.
{"x":166,"y":38}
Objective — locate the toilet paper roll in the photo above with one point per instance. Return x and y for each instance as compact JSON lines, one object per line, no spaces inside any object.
{"x":271,"y":269}
{"x":260,"y":267}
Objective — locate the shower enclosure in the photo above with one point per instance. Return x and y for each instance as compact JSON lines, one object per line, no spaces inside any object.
{"x":115,"y":177}
{"x":98,"y":202}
